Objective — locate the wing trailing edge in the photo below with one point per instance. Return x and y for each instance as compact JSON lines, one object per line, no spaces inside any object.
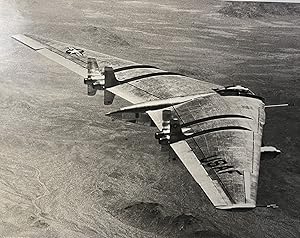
{"x":31,"y":43}
{"x":192,"y":164}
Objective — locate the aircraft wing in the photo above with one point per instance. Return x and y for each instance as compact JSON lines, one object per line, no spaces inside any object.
{"x":222,"y":147}
{"x":140,"y":83}
{"x":57,"y":51}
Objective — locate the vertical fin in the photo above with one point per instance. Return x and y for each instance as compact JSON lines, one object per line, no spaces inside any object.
{"x":175,"y":130}
{"x":110,"y":81}
{"x":110,"y":78}
{"x":108,"y":97}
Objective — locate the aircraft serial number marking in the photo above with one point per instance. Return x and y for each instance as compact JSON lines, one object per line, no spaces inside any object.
{"x":219,"y":165}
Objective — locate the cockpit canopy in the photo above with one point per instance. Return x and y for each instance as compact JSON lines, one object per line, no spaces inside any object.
{"x":233,"y":90}
{"x":237,"y":90}
{"x":240,"y":89}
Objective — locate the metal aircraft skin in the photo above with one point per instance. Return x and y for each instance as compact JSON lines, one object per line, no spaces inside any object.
{"x":215,"y":131}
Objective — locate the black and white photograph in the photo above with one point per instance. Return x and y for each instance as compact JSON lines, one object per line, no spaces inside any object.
{"x":149,"y":119}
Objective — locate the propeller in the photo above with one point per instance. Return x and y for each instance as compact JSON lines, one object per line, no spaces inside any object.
{"x":95,"y":80}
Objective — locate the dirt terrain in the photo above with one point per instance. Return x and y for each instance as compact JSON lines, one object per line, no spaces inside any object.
{"x":67,"y":170}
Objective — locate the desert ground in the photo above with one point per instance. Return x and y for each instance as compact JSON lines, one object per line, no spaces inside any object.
{"x":67,"y":170}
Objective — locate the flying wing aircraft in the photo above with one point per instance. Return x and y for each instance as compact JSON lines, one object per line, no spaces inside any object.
{"x":215,"y":131}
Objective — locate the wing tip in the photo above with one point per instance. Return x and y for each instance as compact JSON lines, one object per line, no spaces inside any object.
{"x":28,"y":41}
{"x":243,"y":206}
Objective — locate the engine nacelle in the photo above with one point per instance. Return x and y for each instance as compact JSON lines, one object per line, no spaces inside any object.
{"x":93,"y":84}
{"x":97,"y":80}
{"x":171,"y":130}
{"x":162,"y":135}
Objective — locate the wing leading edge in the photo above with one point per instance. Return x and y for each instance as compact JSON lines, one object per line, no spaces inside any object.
{"x":221,"y":150}
{"x":137,"y":83}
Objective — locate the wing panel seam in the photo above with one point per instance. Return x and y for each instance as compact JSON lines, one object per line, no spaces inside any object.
{"x":215,"y":118}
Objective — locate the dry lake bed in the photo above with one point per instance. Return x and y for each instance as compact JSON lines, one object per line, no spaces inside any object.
{"x":67,"y":170}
